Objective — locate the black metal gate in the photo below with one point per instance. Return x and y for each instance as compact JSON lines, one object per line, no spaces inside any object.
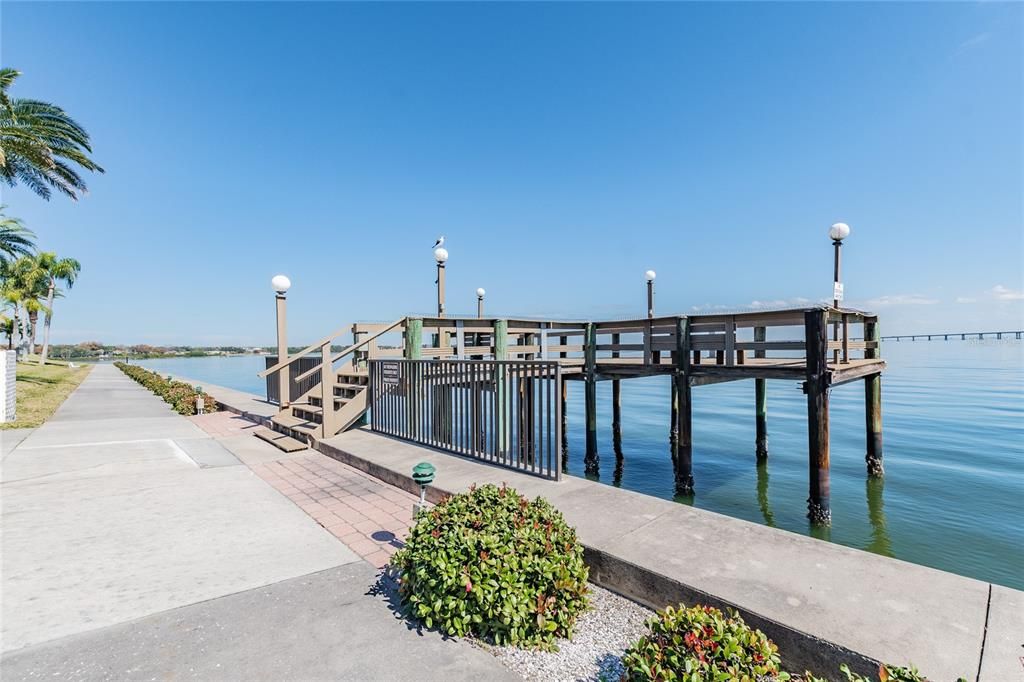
{"x":500,"y":411}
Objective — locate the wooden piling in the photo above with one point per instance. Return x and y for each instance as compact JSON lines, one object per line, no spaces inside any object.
{"x":673,"y":426}
{"x":873,"y":405}
{"x":565,"y":425}
{"x":817,"y":387}
{"x":682,"y":445}
{"x":413,"y":350}
{"x":616,"y":396}
{"x":413,"y":339}
{"x":760,"y":402}
{"x":500,"y":390}
{"x":616,"y":408}
{"x":590,"y":462}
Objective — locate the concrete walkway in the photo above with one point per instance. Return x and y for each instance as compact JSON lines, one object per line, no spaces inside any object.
{"x":138,"y":546}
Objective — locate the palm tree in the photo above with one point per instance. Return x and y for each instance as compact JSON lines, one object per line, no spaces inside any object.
{"x":56,"y":270}
{"x":7,"y":328}
{"x":15,"y":238}
{"x":40,"y":145}
{"x":11,"y":297}
{"x":28,"y":276}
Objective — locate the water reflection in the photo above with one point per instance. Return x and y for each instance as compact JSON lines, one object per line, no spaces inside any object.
{"x":762,"y":492}
{"x":819,"y":532}
{"x":619,"y":458}
{"x":880,"y":543}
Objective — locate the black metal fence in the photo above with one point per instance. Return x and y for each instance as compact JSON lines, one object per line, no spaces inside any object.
{"x":303,"y":364}
{"x":503,"y":412}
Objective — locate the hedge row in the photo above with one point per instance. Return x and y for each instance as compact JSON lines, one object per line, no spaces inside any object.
{"x":181,"y":396}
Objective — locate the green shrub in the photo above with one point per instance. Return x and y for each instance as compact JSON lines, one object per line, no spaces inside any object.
{"x":181,"y":396}
{"x":701,"y":644}
{"x":493,"y":564}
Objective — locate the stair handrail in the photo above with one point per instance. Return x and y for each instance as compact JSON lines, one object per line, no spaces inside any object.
{"x":305,"y":351}
{"x":353,"y":347}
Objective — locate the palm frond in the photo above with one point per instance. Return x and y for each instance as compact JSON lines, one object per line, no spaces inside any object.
{"x":41,"y":145}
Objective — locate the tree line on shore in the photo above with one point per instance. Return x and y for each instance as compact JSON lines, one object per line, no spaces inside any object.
{"x":43,"y":149}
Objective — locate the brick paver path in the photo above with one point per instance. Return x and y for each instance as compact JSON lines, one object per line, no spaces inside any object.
{"x":223,"y":424}
{"x":369,"y":516}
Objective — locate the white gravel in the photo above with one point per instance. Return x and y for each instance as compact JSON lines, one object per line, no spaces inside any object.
{"x":602,"y":635}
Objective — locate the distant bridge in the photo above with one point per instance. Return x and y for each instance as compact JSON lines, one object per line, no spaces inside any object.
{"x":946,"y":336}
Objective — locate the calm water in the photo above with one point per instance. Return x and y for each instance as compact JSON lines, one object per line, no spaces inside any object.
{"x":953,"y":494}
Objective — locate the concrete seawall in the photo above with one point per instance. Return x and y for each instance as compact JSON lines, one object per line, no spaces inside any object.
{"x":823,"y":604}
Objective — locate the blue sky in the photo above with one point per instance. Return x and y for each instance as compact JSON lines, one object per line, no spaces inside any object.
{"x":562,"y":148}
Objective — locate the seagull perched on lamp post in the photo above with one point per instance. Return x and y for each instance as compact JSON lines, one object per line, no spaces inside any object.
{"x":439,"y":243}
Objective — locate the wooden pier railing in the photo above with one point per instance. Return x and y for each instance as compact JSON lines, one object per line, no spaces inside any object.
{"x":821,"y":347}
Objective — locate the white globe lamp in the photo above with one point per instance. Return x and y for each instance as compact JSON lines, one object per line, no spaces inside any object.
{"x":838,"y":232}
{"x":281,"y":284}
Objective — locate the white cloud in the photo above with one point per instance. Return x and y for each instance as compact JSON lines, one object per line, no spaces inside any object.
{"x":966,"y":299}
{"x":1001,"y":293}
{"x":900,"y":299}
{"x":972,"y":42}
{"x":795,"y":302}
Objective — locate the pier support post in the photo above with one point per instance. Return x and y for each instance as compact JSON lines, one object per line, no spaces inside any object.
{"x":500,"y":389}
{"x":761,"y":416}
{"x":817,"y":387}
{"x":873,"y":403}
{"x":760,"y":403}
{"x":616,"y":397}
{"x":413,"y":350}
{"x":616,"y":408}
{"x":590,"y":461}
{"x":873,"y":424}
{"x":682,"y":445}
{"x":673,"y":426}
{"x":565,"y":425}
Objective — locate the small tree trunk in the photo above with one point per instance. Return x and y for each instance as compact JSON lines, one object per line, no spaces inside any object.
{"x":33,"y":318}
{"x":46,"y":325}
{"x":17,"y":331}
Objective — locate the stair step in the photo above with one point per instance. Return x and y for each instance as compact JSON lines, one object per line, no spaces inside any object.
{"x":296,"y":424}
{"x":279,"y":440}
{"x":365,"y":374}
{"x":349,"y":387}
{"x":338,"y":402}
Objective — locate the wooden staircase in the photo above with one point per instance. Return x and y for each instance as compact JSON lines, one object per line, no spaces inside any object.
{"x":308,"y":418}
{"x":304,"y":418}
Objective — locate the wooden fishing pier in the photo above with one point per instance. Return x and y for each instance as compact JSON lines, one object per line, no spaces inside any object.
{"x":495,"y":389}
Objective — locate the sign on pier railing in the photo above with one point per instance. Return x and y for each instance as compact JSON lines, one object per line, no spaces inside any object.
{"x":502,"y":412}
